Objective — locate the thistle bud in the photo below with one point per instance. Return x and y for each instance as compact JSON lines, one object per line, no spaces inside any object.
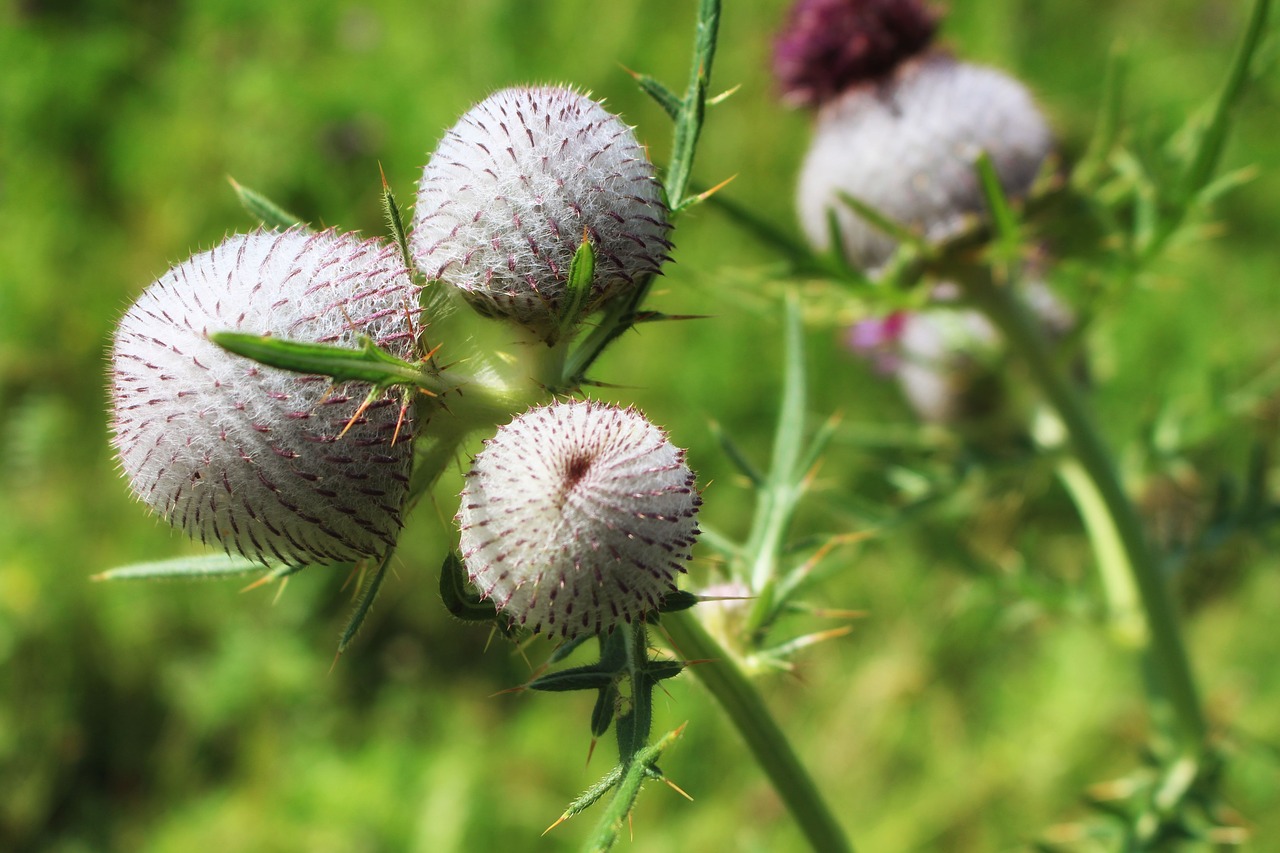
{"x":513,"y":189}
{"x":577,"y":516}
{"x":948,"y":359}
{"x":899,"y":127}
{"x":249,"y":456}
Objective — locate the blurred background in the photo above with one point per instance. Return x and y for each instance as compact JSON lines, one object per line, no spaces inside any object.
{"x":968,"y":711}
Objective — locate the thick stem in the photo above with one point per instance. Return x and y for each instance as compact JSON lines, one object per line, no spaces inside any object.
{"x":745,"y":707}
{"x":1165,"y":650}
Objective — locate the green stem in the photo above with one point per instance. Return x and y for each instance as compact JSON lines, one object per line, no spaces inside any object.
{"x":1165,"y":650}
{"x":1123,"y":601}
{"x":745,"y":707}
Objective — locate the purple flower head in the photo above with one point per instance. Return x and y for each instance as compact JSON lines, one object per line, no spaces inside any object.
{"x":827,"y":46}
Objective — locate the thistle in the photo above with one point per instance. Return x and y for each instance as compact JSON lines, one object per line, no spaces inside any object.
{"x":947,"y":358}
{"x":515,"y":187}
{"x":576,"y":517}
{"x":276,"y":466}
{"x":899,"y":125}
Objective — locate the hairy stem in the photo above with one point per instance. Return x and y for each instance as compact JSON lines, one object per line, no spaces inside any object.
{"x":745,"y":707}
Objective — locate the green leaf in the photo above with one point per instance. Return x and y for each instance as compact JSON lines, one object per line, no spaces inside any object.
{"x":677,"y":600}
{"x":883,"y":223}
{"x":568,"y":647}
{"x":659,"y":92}
{"x":582,"y":274}
{"x":693,"y":106}
{"x":605,"y":709}
{"x":395,"y":223}
{"x":736,"y":455}
{"x":628,"y":779}
{"x":458,"y":597}
{"x":1203,"y":161}
{"x":796,"y":251}
{"x":185,"y":568}
{"x":264,"y":209}
{"x":578,"y":678}
{"x":365,"y":603}
{"x":1002,"y":216}
{"x":343,"y":364}
{"x":1107,"y":129}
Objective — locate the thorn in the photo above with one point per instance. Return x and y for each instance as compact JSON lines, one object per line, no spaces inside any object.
{"x":280,"y":590}
{"x":833,"y":613}
{"x":706,"y":194}
{"x":681,"y":791}
{"x":359,"y":412}
{"x":404,"y":407}
{"x":266,"y":578}
{"x":357,"y":569}
{"x":723,"y":96}
{"x":519,"y":688}
{"x":631,"y":827}
{"x":334,"y":665}
{"x":591,"y":750}
{"x":559,"y":821}
{"x":385,"y":186}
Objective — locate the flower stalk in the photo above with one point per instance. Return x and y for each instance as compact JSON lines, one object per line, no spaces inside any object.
{"x":1166,"y":654}
{"x":760,"y":731}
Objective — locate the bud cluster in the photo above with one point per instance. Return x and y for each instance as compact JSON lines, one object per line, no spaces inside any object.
{"x":576,"y":515}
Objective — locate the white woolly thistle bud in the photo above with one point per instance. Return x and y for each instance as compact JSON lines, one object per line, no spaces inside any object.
{"x":907,"y":145}
{"x":513,"y":188}
{"x":250,"y":456}
{"x":577,"y":516}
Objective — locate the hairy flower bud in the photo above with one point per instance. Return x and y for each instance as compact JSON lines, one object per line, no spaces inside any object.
{"x":908,"y":147}
{"x":513,"y":188}
{"x":250,"y":456}
{"x":578,"y":516}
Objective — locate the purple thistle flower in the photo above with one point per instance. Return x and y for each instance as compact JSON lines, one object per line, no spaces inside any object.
{"x":828,"y":46}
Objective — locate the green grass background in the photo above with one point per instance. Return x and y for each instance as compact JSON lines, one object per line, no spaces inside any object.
{"x":967,"y":712}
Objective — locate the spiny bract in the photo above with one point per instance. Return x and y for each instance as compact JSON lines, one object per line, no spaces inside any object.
{"x":578,"y":516}
{"x":509,"y":194}
{"x":250,"y":456}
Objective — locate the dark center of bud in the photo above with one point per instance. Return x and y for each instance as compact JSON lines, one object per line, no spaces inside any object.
{"x":576,"y":468}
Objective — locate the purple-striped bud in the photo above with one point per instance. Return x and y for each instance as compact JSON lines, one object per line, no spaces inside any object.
{"x":576,"y":517}
{"x":253,"y":457}
{"x":513,"y":188}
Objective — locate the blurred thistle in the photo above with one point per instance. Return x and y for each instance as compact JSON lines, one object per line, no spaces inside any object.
{"x":515,"y":187}
{"x":899,"y":125}
{"x":947,"y":358}
{"x":577,"y":517}
{"x":827,"y":46}
{"x":273,"y":465}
